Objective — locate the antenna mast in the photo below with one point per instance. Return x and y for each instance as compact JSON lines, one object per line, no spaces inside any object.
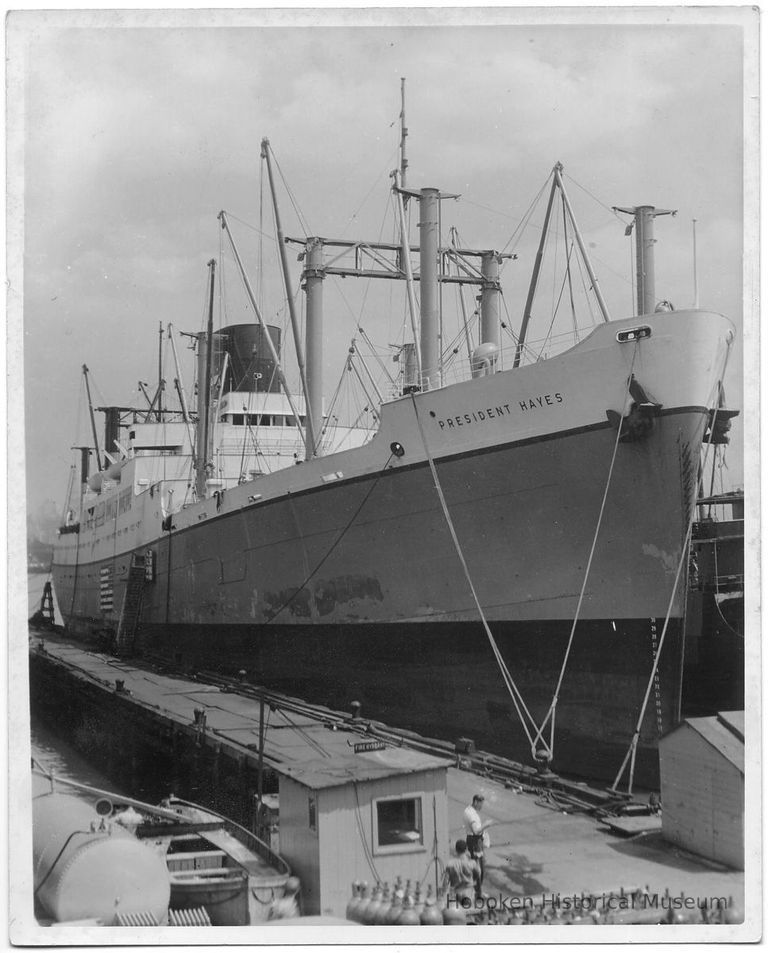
{"x":403,"y":136}
{"x":695,"y":276}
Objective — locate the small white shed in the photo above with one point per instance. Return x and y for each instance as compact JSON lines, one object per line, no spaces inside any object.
{"x":702,"y":787}
{"x":360,"y":813}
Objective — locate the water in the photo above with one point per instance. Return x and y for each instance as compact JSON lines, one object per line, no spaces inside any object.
{"x":52,"y":751}
{"x":54,"y":754}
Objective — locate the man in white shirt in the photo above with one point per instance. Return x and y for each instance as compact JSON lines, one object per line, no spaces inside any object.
{"x":477,"y":837}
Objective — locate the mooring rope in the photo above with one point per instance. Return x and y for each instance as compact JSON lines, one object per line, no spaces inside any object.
{"x":512,"y":688}
{"x":550,"y":716}
{"x":631,"y":754}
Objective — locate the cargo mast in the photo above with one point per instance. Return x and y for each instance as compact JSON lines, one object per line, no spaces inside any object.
{"x":312,"y":442}
{"x":642,"y":222}
{"x":205,"y":362}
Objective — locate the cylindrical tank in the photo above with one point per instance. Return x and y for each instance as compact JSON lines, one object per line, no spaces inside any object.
{"x":251,"y":367}
{"x":82,"y":871}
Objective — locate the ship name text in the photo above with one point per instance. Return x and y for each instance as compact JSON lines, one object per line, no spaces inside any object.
{"x":501,"y":410}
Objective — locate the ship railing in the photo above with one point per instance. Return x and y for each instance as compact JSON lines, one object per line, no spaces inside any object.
{"x":460,"y":368}
{"x":257,"y":846}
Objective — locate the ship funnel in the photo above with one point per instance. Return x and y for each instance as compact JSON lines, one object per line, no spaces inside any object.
{"x":484,"y":360}
{"x":251,"y":367}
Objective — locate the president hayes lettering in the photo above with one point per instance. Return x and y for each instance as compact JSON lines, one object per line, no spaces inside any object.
{"x":502,"y":410}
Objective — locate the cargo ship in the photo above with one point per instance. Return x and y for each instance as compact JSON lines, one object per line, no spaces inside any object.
{"x":502,"y":557}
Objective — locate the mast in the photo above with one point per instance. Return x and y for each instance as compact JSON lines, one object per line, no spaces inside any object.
{"x":178,"y":380}
{"x":489,"y":299}
{"x":403,"y":134}
{"x":428,"y":267}
{"x":311,"y":442}
{"x":580,"y":242}
{"x":314,"y":276}
{"x":695,"y":276}
{"x":93,"y":419}
{"x":205,"y":362}
{"x":405,"y":259}
{"x":643,"y":216}
{"x":535,"y":276}
{"x":160,"y":373}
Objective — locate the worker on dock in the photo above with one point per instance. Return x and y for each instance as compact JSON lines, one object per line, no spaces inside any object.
{"x":477,"y":836}
{"x":462,"y":874}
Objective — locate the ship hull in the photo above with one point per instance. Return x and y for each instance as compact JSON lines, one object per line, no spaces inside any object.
{"x":362,"y":576}
{"x":336,"y":611}
{"x":442,"y":680}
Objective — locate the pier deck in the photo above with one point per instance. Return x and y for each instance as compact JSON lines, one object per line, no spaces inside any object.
{"x":538,"y":850}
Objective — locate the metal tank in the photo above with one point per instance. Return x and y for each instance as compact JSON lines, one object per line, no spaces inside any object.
{"x":250,"y":367}
{"x":86,"y":867}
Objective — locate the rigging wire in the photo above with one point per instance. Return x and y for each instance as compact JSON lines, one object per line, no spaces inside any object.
{"x":614,"y":213}
{"x":556,"y":307}
{"x":525,"y":220}
{"x":377,"y":180}
{"x":550,"y":716}
{"x":515,"y":694}
{"x":261,"y":236}
{"x":291,"y":197}
{"x":568,"y":272}
{"x":361,"y":832}
{"x":586,"y":289}
{"x":629,"y":758}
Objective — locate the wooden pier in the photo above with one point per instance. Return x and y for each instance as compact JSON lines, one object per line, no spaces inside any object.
{"x":230,"y":746}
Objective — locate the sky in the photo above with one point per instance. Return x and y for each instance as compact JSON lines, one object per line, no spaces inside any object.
{"x":129,"y":132}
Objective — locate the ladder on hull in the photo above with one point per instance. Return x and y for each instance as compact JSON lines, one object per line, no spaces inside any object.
{"x":130,"y":614}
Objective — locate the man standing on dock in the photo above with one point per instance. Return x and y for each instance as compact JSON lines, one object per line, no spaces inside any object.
{"x":477,"y":838}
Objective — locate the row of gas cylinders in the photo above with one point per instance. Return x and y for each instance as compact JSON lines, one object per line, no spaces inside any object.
{"x":399,"y":906}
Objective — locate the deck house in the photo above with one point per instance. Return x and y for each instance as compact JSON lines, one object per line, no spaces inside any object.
{"x":366,"y":812}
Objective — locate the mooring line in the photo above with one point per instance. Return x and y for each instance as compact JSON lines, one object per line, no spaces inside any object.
{"x":512,"y":688}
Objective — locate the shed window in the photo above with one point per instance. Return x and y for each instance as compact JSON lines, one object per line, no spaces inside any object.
{"x":312,"y":804}
{"x":397,"y":824}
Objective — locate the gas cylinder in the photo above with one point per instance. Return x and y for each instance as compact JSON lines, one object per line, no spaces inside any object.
{"x":418,"y":901}
{"x":408,"y":916}
{"x":370,"y":913}
{"x":366,"y":893}
{"x":396,"y":909}
{"x":430,"y":915}
{"x":354,"y":901}
{"x":454,"y":915}
{"x":384,"y":907}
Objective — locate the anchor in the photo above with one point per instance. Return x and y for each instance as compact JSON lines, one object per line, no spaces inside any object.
{"x":640,"y":420}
